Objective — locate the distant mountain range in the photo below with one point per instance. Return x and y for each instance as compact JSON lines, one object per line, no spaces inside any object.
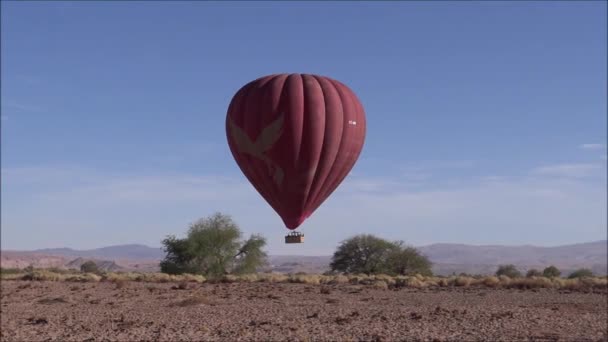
{"x":447,"y":258}
{"x":132,"y":251}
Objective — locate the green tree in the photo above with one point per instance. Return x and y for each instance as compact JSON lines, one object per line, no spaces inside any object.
{"x":581,"y":273}
{"x":89,"y":267}
{"x":369,"y":254}
{"x":213,"y":247}
{"x":408,"y":261}
{"x":533,"y":273}
{"x":508,"y":270}
{"x":551,"y":272}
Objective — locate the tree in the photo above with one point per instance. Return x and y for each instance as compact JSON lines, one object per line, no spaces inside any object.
{"x":408,"y":261}
{"x":533,"y":273}
{"x":213,"y":248}
{"x":89,"y":267}
{"x":551,"y":272}
{"x":369,"y":254}
{"x":581,"y":273}
{"x":508,"y":270}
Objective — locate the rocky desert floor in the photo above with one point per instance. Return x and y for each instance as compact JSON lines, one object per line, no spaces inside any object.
{"x":137,"y":311}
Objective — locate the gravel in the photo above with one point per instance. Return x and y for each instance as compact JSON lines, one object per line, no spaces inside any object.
{"x":61,"y":311}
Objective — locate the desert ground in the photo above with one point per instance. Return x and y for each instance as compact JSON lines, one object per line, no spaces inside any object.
{"x":138,"y":311}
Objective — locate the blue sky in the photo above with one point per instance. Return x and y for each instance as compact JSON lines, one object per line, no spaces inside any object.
{"x":486,"y":121}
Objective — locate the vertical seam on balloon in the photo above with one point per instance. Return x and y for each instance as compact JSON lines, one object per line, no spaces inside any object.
{"x":317,"y":157}
{"x":311,"y":201}
{"x":334,"y":167}
{"x":301,"y":114}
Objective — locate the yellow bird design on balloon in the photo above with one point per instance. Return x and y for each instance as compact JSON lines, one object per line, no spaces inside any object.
{"x":264,"y":142}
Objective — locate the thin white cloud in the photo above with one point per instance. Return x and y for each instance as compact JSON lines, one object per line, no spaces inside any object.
{"x":573,"y":170}
{"x":593,"y":146}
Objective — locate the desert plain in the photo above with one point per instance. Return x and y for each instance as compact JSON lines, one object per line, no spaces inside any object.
{"x":258,"y":311}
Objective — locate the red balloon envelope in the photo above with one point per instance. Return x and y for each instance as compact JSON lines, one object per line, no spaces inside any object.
{"x":295,"y":137}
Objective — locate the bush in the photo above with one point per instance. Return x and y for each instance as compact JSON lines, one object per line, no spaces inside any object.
{"x":551,"y":272}
{"x":368,"y":254}
{"x":533,"y":273}
{"x":508,"y":270}
{"x":581,"y":273}
{"x":213,"y":248}
{"x":89,"y":267}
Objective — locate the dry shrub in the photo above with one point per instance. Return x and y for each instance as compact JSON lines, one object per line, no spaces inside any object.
{"x":463,"y":281}
{"x":380,"y":284}
{"x":491,"y":281}
{"x":305,"y":279}
{"x":157,"y":278}
{"x":122,"y":276}
{"x":249,"y":278}
{"x":43,"y":275}
{"x":432,"y":282}
{"x":229,"y":279}
{"x":504,"y":280}
{"x":443,"y":282}
{"x":558,"y":282}
{"x":338,"y":279}
{"x":529,"y":283}
{"x":84,"y":278}
{"x":192,"y":278}
{"x":385,"y":278}
{"x":405,"y":281}
{"x":415,"y":282}
{"x":273,"y":278}
{"x":358,"y":279}
{"x":599,"y":283}
{"x":572,"y":284}
{"x":11,"y":276}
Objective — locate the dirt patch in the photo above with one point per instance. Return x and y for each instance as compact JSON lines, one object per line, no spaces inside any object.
{"x":41,"y":311}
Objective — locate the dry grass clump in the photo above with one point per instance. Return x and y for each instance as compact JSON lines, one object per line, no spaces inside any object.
{"x":385,"y":278}
{"x":592,"y":282}
{"x":380,"y":281}
{"x":11,"y":276}
{"x":83,"y":278}
{"x":529,"y":283}
{"x":463,"y":281}
{"x":358,"y":279}
{"x":305,"y":278}
{"x":338,"y":279}
{"x":406,"y":281}
{"x":43,"y":275}
{"x":157,"y":278}
{"x":191,"y":278}
{"x":272,"y":278}
{"x":122,"y":276}
{"x":229,"y":279}
{"x":380,"y":284}
{"x":491,"y":281}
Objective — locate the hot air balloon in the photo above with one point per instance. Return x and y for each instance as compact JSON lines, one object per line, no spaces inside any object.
{"x":295,"y":137}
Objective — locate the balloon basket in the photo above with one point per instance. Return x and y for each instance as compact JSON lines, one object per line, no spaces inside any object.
{"x":294,"y":237}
